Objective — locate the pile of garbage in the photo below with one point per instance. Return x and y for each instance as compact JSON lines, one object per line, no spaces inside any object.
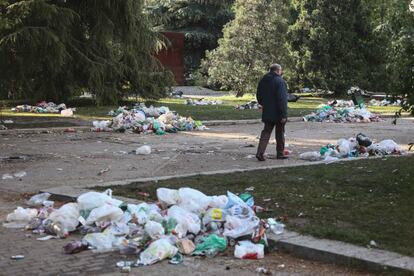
{"x":249,"y":105}
{"x":384,"y":102}
{"x":203,"y":102}
{"x":182,"y":222}
{"x":359,"y":146}
{"x":44,"y":107}
{"x":143,"y":119}
{"x":340,"y":111}
{"x":254,"y":104}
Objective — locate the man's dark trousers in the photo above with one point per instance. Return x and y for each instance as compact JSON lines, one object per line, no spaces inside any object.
{"x":265,"y":137}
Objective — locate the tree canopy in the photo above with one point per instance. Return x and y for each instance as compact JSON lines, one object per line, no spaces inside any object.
{"x":55,"y":49}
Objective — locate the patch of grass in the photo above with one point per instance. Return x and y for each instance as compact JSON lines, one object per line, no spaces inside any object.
{"x":354,"y":202}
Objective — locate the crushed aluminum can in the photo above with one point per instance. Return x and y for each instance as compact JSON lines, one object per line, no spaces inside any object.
{"x":124,"y":264}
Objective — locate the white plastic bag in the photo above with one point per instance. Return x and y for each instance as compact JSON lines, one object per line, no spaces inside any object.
{"x":92,"y":200}
{"x":386,"y":146}
{"x":101,"y":124}
{"x":143,"y":150}
{"x":344,"y":147}
{"x":168,"y":197}
{"x":219,"y":201}
{"x":193,"y":200}
{"x":189,"y":220}
{"x":154,"y":229}
{"x":105,"y":213}
{"x":67,"y":216}
{"x":20,"y":217}
{"x":157,"y":251}
{"x":37,"y":200}
{"x":236,"y":227}
{"x":103,"y":242}
{"x":310,"y":156}
{"x":249,"y":250}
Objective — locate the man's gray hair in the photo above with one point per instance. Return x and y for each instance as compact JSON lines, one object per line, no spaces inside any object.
{"x":275,"y":67}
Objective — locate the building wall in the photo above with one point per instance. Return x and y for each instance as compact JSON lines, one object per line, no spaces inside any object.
{"x":173,"y":57}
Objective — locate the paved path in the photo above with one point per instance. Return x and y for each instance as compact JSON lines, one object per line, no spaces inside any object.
{"x":47,"y":258}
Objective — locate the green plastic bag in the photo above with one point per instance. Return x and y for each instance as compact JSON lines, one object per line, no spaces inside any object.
{"x":211,"y":243}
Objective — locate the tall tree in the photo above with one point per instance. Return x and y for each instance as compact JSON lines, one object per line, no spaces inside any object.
{"x":200,"y":20}
{"x":54,"y":49}
{"x":251,"y":42}
{"x":330,"y":42}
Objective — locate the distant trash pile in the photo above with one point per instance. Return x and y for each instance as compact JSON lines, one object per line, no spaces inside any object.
{"x":184,"y":222}
{"x":254,"y":104}
{"x":203,"y":102}
{"x":142,"y":119}
{"x":384,"y":102}
{"x":359,"y":146}
{"x":44,"y":107}
{"x":340,"y":111}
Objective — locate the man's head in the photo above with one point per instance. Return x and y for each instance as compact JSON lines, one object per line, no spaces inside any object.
{"x":276,"y":68}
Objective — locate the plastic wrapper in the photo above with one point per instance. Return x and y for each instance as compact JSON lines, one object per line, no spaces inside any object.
{"x":105,"y":213}
{"x":157,"y":251}
{"x":20,"y":217}
{"x":92,"y":200}
{"x":154,"y":229}
{"x":185,"y":218}
{"x":249,"y":250}
{"x":236,"y":227}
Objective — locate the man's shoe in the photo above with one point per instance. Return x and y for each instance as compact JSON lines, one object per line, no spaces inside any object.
{"x":282,"y":157}
{"x":260,"y":157}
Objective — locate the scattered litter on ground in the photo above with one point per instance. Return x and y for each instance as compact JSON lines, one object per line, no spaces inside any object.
{"x":263,"y":270}
{"x":340,"y":111}
{"x":183,"y":223}
{"x":101,"y":172}
{"x":373,"y":243}
{"x":384,"y":102}
{"x":249,"y":105}
{"x":44,"y":107}
{"x":19,"y":175}
{"x":8,"y":121}
{"x":203,"y":102}
{"x":17,"y":257}
{"x":360,"y":146}
{"x":177,"y":94}
{"x":143,"y":150}
{"x":3,"y":127}
{"x":255,"y":105}
{"x":142,"y":119}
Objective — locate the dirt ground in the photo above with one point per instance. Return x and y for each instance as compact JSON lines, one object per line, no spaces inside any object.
{"x":76,"y":159}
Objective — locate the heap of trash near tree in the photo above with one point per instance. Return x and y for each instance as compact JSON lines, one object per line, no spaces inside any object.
{"x":384,"y":102}
{"x":44,"y":107}
{"x":340,"y":111}
{"x":147,"y":120}
{"x":182,"y":222}
{"x":254,"y":104}
{"x":359,"y":146}
{"x":202,"y":102}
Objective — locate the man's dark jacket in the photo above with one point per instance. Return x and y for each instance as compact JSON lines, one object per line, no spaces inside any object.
{"x":272,"y":95}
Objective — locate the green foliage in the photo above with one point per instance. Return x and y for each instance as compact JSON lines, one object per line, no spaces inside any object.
{"x":55,"y":49}
{"x":200,"y":20}
{"x":331,"y":42}
{"x":250,"y":43}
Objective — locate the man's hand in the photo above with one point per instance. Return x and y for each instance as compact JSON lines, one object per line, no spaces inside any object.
{"x":283,"y":121}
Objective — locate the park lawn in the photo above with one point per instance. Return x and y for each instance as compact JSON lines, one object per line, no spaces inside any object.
{"x":226,"y":111}
{"x":355,"y":202}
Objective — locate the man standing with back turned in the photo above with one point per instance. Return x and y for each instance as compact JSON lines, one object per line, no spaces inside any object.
{"x":272,"y":96}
